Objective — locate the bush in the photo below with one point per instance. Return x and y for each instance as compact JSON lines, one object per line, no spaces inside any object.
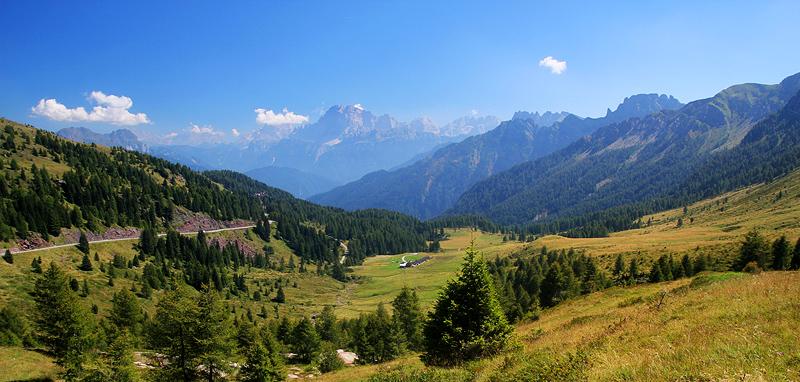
{"x":752,"y":268}
{"x":328,"y":359}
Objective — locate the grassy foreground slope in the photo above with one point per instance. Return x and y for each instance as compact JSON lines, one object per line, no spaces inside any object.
{"x":713,"y":225}
{"x":716,"y":326}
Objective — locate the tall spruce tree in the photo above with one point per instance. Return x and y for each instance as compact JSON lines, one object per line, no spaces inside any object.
{"x":86,"y":264}
{"x":305,"y":340}
{"x":796,"y":256}
{"x":408,"y":317}
{"x":467,"y":321}
{"x":781,"y":255}
{"x":754,"y":249}
{"x":63,"y":324}
{"x":215,"y":331}
{"x":83,"y":243}
{"x":174,"y":333}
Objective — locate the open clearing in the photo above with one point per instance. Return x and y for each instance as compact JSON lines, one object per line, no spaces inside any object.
{"x":383,"y":278}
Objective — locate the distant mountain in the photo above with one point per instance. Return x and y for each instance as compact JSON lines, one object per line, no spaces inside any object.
{"x":430,"y":186}
{"x":545,"y":119}
{"x":298,"y":183}
{"x":627,"y":162}
{"x":118,"y":138}
{"x":349,"y":141}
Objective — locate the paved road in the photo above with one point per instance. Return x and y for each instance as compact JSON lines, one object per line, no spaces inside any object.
{"x":129,"y":238}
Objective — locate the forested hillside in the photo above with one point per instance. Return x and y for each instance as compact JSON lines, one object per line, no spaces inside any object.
{"x":430,"y":186}
{"x":367,"y":232}
{"x":641,"y":165}
{"x":48,"y":184}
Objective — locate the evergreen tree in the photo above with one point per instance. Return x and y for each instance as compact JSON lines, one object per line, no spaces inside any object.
{"x":796,"y":256}
{"x":215,"y":332}
{"x":686,"y":266}
{"x":467,"y":321}
{"x":8,"y":257}
{"x":258,"y":365}
{"x":86,"y":264}
{"x":36,"y":265}
{"x":126,"y":314}
{"x":63,"y":325}
{"x":115,"y":364}
{"x":384,"y":336}
{"x":305,"y":340}
{"x":327,"y":326}
{"x":619,"y":266}
{"x":754,"y":249}
{"x":174,"y":333}
{"x":553,"y":290}
{"x":83,"y":243}
{"x":85,"y":288}
{"x":781,"y":254}
{"x":633,"y":269}
{"x":328,"y":359}
{"x":408,"y":317}
{"x":280,"y":296}
{"x":263,"y":359}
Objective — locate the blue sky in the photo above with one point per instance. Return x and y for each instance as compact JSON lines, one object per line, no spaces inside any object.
{"x":213,"y":63}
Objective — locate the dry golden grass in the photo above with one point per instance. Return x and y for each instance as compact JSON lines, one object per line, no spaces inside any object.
{"x":721,"y":327}
{"x":17,"y":364}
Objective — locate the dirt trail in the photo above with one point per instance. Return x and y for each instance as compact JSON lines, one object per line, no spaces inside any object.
{"x":14,"y":251}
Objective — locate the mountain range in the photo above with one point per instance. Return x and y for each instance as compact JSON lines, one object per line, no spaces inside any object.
{"x":430,"y":186}
{"x":634,"y":160}
{"x":118,"y":138}
{"x":344,"y":144}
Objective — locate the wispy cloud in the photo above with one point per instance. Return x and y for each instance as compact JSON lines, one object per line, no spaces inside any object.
{"x":555,"y":66}
{"x":235,"y":132}
{"x":109,"y":109}
{"x":285,"y":117}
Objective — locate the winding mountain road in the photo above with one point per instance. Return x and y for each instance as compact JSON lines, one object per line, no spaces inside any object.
{"x":128,"y":238}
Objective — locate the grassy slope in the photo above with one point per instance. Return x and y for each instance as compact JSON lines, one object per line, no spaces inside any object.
{"x":718,"y":327}
{"x":382,"y":277}
{"x":719,"y":223}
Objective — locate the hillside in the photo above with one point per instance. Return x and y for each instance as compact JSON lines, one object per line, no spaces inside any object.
{"x":638,"y":160}
{"x":711,"y":226}
{"x":431,"y":185}
{"x":717,"y":326}
{"x":50,"y":186}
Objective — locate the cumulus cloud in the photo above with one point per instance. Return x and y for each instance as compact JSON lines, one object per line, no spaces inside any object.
{"x":285,"y":117}
{"x":109,"y":109}
{"x":555,"y":66}
{"x":235,"y":132}
{"x":205,"y":130}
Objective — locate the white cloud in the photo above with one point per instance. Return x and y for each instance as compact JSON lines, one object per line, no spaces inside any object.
{"x":171,"y":135}
{"x":110,"y":109}
{"x":285,"y":117}
{"x":205,"y":130}
{"x":235,"y":132}
{"x":555,"y":66}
